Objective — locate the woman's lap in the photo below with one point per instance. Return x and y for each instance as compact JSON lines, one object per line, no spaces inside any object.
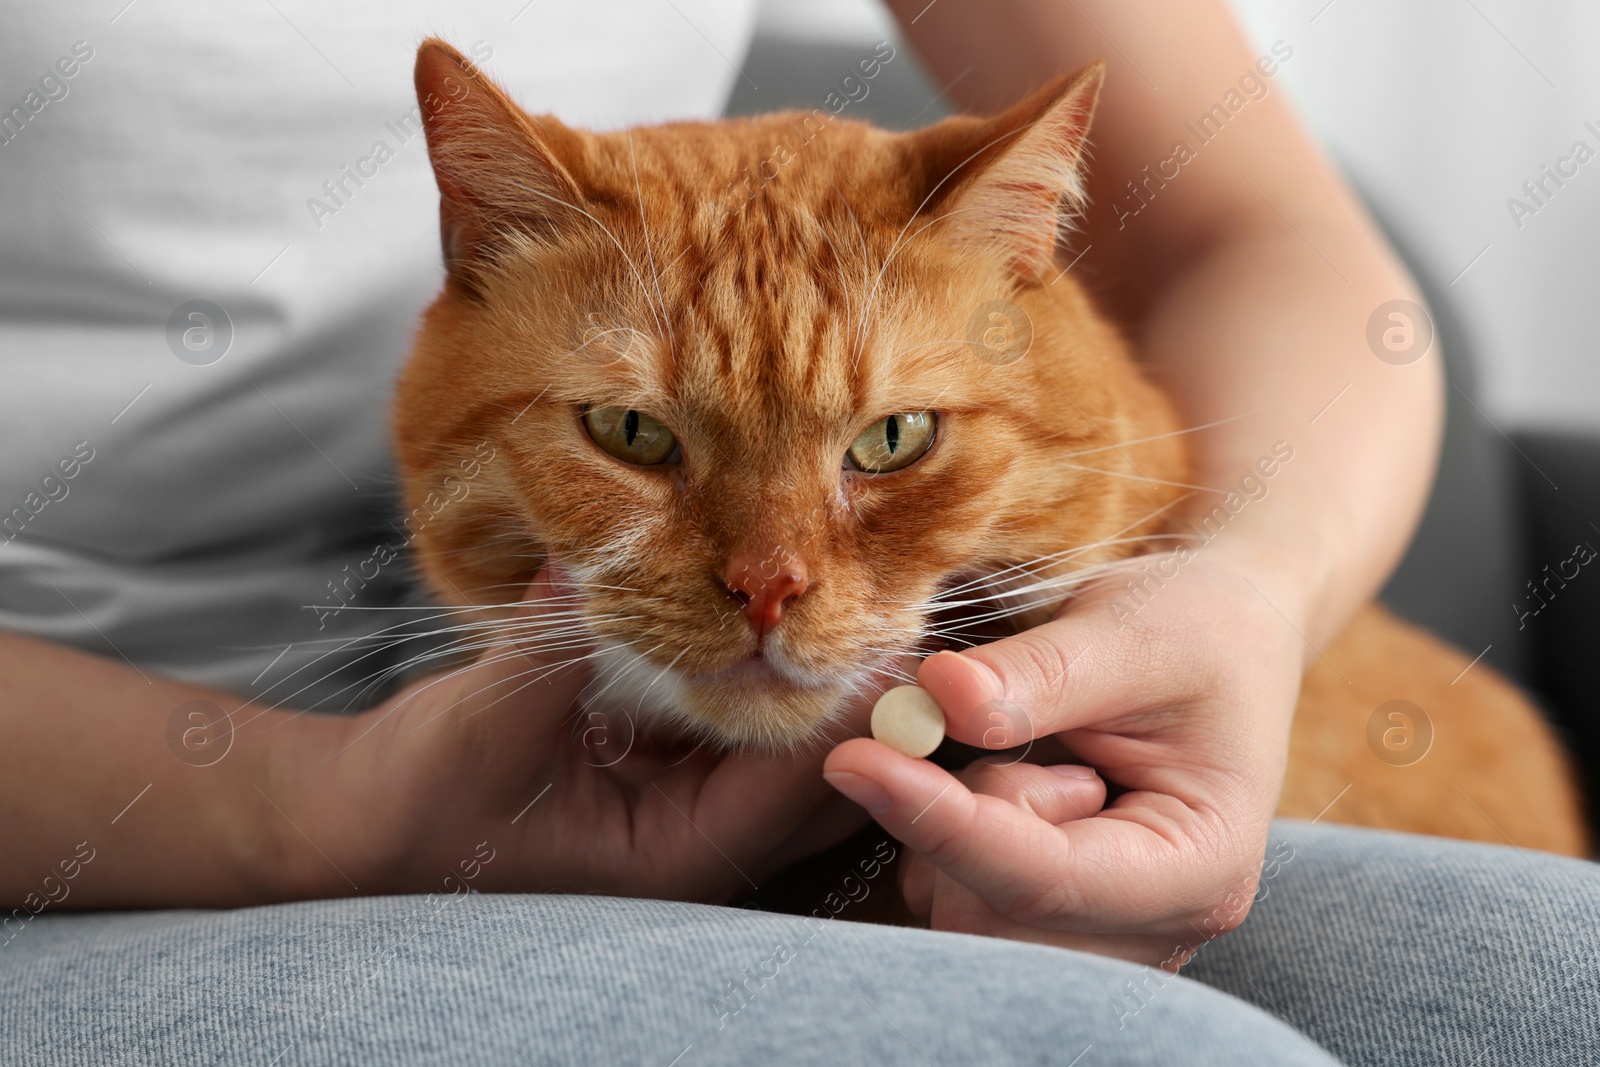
{"x":1387,"y":949}
{"x":564,"y":980}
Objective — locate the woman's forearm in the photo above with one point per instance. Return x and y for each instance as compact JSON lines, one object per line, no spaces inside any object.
{"x":1254,"y":333}
{"x":122,"y":791}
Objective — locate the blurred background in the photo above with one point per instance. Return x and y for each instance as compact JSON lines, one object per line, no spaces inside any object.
{"x":1438,"y":112}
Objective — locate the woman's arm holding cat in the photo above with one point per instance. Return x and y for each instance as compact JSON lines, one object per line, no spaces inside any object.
{"x":111,"y":795}
{"x":1246,"y":274}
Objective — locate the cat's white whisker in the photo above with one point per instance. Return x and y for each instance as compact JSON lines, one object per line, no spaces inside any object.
{"x":546,"y":643}
{"x":1018,"y":571}
{"x":602,"y":334}
{"x":666,"y":317}
{"x":513,"y":627}
{"x":1161,"y":436}
{"x":533,"y":674}
{"x":1019,"y":582}
{"x":660,"y":673}
{"x":640,"y":658}
{"x":632,"y":266}
{"x":1144,"y":478}
{"x":539,"y":669}
{"x":1115,"y":535}
{"x":538,"y":674}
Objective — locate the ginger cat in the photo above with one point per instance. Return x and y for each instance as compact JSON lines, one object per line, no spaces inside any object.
{"x":737,"y":379}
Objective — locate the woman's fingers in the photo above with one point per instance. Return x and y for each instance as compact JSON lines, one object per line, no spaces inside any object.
{"x":1091,"y":665}
{"x":918,"y":877}
{"x":1172,"y":703}
{"x":1057,"y":794}
{"x":1052,"y":678}
{"x":1144,"y":863}
{"x":762,"y":810}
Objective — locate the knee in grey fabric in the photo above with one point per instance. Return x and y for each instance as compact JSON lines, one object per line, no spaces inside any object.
{"x":1383,"y":948}
{"x":519,"y":979}
{"x":1391,"y":948}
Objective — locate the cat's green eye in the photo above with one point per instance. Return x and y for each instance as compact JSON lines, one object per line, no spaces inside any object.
{"x":894,"y":442}
{"x":631,"y":436}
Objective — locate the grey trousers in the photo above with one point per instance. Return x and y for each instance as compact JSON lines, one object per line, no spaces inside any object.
{"x":1363,"y":948}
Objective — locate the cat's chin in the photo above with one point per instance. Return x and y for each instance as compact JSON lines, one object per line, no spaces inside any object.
{"x":750,"y":704}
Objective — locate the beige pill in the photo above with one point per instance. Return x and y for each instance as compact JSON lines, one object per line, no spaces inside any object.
{"x":908,"y":720}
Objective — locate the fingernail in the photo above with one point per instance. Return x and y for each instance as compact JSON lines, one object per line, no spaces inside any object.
{"x":863,"y":791}
{"x":989,"y":680}
{"x":959,"y":683}
{"x":1073,"y":770}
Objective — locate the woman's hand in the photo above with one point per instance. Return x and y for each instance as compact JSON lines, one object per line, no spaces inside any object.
{"x":488,"y":777}
{"x":1184,"y":706}
{"x":499,"y":759}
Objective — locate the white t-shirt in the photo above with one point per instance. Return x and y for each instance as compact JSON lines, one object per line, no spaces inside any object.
{"x":175,"y":490}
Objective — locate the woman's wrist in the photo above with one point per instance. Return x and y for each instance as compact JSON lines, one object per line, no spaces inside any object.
{"x":324,"y":830}
{"x":1292,"y":573}
{"x":387,"y":805}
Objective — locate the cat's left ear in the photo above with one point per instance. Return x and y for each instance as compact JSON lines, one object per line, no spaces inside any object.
{"x":1013,"y":183}
{"x":498,"y":167}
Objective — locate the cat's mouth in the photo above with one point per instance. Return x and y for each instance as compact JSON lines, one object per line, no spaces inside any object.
{"x":756,"y":702}
{"x":755,"y":666}
{"x":764,"y":668}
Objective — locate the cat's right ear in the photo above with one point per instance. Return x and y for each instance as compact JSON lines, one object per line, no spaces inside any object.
{"x":498,"y":168}
{"x":1010,"y":185}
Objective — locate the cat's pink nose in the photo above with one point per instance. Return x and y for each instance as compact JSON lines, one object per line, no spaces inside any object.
{"x":765,"y":582}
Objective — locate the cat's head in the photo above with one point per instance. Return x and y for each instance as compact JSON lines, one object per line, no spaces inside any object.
{"x":777,"y":392}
